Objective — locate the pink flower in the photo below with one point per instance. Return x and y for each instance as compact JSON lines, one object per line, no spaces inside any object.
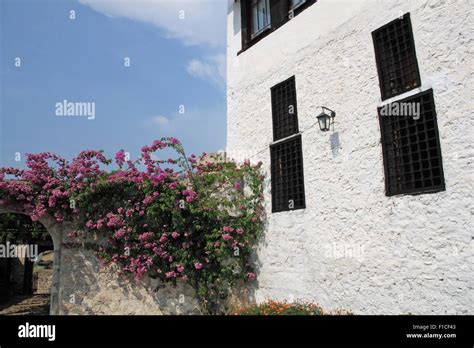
{"x":175,"y":234}
{"x":120,"y":233}
{"x":217,"y":244}
{"x":180,"y":268}
{"x":190,"y":195}
{"x":173,"y":185}
{"x":228,"y":229}
{"x":120,"y":157}
{"x":129,"y":212}
{"x":157,"y":144}
{"x":226,"y":236}
{"x":145,"y":236}
{"x":147,"y":200}
{"x":240,"y":231}
{"x":251,"y":276}
{"x":170,"y":274}
{"x":163,"y":238}
{"x":237,"y":185}
{"x":198,"y":265}
{"x":161,"y":176}
{"x":120,"y":210}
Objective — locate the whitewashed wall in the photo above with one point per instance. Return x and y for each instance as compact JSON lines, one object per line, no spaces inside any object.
{"x":410,"y":254}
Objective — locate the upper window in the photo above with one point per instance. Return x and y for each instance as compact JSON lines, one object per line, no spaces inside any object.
{"x":396,"y":57}
{"x":296,"y":3}
{"x":260,"y":16}
{"x":410,"y":145}
{"x":284,"y":110}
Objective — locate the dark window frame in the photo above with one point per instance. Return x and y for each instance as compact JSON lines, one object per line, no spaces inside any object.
{"x":387,"y":158}
{"x":275,"y":23}
{"x":284,"y":125}
{"x":385,"y":93}
{"x":279,"y":187}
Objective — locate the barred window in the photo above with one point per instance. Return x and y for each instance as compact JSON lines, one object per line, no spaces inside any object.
{"x":411,"y":147}
{"x":396,"y":57}
{"x":287,"y":175}
{"x":284,"y":109}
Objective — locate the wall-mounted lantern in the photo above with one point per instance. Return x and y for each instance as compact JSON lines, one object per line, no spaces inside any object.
{"x":326,"y":118}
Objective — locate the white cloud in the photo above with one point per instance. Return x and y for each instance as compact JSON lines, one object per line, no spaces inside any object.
{"x":200,"y":128}
{"x":160,"y":120}
{"x":201,"y":24}
{"x":212,"y":68}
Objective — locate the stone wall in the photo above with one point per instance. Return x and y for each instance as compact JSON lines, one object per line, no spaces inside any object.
{"x":81,"y":286}
{"x":353,"y":247}
{"x":85,"y":287}
{"x":88,"y":288}
{"x":42,"y":281}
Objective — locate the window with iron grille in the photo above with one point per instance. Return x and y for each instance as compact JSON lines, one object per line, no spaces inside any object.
{"x":284,"y":110}
{"x":287,"y":175}
{"x":396,"y":57}
{"x":411,"y":147}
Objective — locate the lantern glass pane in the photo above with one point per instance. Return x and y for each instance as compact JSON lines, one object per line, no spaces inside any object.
{"x":323,"y":122}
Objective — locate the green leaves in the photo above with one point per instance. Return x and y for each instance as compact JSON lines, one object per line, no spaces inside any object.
{"x":199,"y":224}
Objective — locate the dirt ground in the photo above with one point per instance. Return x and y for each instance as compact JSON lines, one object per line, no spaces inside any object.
{"x":37,"y":304}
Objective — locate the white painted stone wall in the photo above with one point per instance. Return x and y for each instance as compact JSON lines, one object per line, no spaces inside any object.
{"x":411,"y":254}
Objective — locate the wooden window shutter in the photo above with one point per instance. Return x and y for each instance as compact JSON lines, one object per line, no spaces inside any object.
{"x":245,"y":22}
{"x":279,"y":12}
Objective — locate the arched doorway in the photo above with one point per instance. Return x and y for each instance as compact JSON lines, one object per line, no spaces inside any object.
{"x":28,"y":266}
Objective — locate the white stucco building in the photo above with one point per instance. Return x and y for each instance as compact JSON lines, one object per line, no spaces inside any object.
{"x":376,"y":214}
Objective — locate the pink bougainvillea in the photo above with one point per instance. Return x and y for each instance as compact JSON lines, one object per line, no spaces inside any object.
{"x":171,"y":216}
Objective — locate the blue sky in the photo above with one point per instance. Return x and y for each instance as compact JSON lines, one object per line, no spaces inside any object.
{"x":177,"y":57}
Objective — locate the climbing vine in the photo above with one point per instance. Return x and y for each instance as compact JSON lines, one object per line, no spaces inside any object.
{"x":186,"y":218}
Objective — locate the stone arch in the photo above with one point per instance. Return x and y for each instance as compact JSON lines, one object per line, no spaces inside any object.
{"x":55,"y":230}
